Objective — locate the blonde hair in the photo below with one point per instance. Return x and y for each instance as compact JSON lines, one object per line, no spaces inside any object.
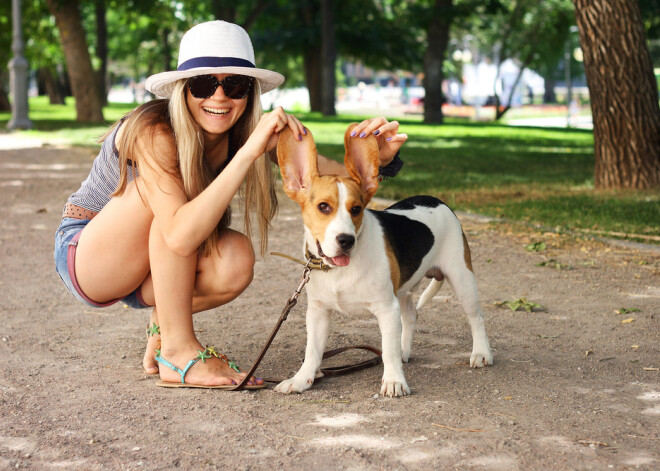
{"x":257,"y":191}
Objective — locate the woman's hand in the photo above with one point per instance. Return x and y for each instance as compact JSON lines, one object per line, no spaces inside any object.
{"x":387,"y":135}
{"x":265,"y":135}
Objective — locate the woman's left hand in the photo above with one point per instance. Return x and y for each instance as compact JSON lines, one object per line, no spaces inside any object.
{"x":387,"y":134}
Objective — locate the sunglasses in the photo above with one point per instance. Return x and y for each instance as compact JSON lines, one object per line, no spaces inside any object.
{"x":235,"y":87}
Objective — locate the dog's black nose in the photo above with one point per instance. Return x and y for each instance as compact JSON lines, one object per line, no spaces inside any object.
{"x":345,"y":241}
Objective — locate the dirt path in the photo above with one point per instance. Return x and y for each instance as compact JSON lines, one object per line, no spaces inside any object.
{"x":573,"y":387}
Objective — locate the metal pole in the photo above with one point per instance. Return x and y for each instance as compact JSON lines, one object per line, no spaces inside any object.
{"x":18,"y":68}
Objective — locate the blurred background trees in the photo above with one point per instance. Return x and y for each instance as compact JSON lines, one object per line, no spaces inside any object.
{"x":85,"y":47}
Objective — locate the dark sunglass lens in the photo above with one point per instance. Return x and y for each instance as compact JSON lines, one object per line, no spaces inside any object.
{"x":236,"y":86}
{"x":203,"y":86}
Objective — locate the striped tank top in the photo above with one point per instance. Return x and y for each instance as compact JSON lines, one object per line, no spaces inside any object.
{"x":94,"y":193}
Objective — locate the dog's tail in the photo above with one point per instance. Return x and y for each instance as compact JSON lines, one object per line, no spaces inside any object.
{"x":430,"y":291}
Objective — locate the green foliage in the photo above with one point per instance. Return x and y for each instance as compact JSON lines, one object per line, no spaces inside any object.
{"x":521,"y":304}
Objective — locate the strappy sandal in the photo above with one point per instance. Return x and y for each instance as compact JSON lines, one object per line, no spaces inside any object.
{"x":208,"y":352}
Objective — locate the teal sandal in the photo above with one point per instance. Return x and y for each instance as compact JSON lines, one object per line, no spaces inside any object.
{"x":208,"y":352}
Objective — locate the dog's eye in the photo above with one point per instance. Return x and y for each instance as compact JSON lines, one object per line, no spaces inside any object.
{"x":356,"y":210}
{"x":324,"y":208}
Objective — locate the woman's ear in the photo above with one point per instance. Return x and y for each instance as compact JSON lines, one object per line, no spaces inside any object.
{"x":361,"y":161}
{"x":298,"y":163}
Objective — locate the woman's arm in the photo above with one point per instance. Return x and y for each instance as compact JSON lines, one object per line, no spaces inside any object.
{"x":186,"y":224}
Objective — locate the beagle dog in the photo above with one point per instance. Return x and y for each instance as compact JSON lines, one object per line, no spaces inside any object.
{"x":377,"y":257}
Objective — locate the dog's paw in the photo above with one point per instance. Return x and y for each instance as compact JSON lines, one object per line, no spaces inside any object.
{"x":395,"y":388}
{"x":481,"y":359}
{"x":294,"y":385}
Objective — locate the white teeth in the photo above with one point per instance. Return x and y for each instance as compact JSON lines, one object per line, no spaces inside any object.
{"x":216,"y":111}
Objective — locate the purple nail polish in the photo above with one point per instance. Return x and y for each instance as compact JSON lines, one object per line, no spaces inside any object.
{"x":300,"y":137}
{"x":363,"y":134}
{"x":353,"y":134}
{"x":376,"y":132}
{"x":388,"y":139}
{"x":304,"y":131}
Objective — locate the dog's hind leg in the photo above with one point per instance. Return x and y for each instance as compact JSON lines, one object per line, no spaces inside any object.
{"x":318,"y":330}
{"x":408,"y":323}
{"x":464,"y":284}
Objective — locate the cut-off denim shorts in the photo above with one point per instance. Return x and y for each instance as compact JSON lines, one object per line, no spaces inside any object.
{"x":66,"y":242}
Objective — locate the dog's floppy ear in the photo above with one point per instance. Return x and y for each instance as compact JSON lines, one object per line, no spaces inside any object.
{"x":361,"y":161}
{"x":298,"y":163}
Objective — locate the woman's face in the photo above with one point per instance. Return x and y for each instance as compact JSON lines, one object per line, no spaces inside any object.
{"x":216,"y":114}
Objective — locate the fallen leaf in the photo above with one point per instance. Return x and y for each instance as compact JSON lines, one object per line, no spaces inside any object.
{"x":628,"y":321}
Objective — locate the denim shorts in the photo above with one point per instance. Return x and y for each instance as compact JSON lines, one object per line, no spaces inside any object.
{"x":66,"y":241}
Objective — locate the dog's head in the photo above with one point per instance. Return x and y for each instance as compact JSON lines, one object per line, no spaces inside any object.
{"x":332,"y":206}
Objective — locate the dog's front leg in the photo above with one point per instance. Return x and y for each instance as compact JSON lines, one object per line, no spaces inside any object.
{"x":318,"y":329}
{"x":389,"y":321}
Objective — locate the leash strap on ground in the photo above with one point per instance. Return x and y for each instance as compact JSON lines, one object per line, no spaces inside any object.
{"x":331,"y":371}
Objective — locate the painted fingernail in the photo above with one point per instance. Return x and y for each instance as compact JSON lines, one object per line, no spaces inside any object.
{"x":376,"y":132}
{"x":363,"y":134}
{"x":305,"y":131}
{"x":300,"y":137}
{"x":388,"y":139}
{"x":353,"y":134}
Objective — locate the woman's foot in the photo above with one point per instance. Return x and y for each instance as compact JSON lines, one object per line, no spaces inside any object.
{"x":149,"y":362}
{"x":210,"y":370}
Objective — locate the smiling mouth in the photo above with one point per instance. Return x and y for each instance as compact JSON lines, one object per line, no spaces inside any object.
{"x":216,"y":111}
{"x":339,"y":261}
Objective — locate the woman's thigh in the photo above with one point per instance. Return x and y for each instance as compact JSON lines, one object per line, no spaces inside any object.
{"x":112,"y":257}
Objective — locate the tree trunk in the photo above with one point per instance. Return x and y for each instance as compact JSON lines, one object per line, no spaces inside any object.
{"x":312,"y":62}
{"x":501,"y":110}
{"x":78,"y":60}
{"x":5,"y":104}
{"x":51,"y":85}
{"x":329,"y":56}
{"x":623,"y":94}
{"x":436,"y":49}
{"x":167,"y":49}
{"x":102,"y":50}
{"x":549,"y":95}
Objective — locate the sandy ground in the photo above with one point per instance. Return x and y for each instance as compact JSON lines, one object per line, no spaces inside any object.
{"x":574,"y":386}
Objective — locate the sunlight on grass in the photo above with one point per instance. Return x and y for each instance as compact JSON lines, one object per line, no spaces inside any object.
{"x":536,"y":175}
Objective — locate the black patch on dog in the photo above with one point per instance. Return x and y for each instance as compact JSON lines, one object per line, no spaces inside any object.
{"x":413,"y":201}
{"x":410,"y":240}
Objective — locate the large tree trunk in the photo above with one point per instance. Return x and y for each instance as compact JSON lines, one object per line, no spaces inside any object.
{"x":78,"y":61}
{"x":329,"y":56}
{"x":102,"y":50}
{"x":436,"y":49}
{"x":623,"y":93}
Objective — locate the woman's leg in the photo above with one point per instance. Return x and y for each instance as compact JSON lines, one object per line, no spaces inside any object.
{"x":174,"y":279}
{"x":220,"y":277}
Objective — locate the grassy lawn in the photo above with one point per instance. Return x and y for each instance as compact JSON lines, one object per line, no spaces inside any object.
{"x":533,"y":175}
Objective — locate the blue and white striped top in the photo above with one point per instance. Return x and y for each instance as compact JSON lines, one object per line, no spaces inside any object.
{"x":94,"y":193}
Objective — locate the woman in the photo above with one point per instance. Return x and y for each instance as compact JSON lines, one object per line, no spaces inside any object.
{"x":149,"y":225}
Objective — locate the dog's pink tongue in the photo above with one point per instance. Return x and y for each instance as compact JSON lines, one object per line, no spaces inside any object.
{"x":341,"y":261}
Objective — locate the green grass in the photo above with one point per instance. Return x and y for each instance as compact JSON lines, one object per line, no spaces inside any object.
{"x":534,"y":175}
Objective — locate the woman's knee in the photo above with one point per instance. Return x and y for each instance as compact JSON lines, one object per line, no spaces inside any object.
{"x":230,"y":270}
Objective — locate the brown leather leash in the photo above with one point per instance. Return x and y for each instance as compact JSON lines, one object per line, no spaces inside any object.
{"x":311,"y":264}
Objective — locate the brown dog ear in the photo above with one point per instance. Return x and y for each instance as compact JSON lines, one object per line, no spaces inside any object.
{"x":298,"y":163}
{"x":361,"y":161}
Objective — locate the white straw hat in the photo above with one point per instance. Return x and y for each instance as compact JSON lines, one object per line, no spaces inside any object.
{"x":214,"y":47}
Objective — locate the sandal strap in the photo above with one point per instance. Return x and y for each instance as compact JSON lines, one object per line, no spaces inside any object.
{"x":182,"y":372}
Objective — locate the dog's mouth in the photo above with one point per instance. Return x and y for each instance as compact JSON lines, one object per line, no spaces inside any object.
{"x":338,"y":261}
